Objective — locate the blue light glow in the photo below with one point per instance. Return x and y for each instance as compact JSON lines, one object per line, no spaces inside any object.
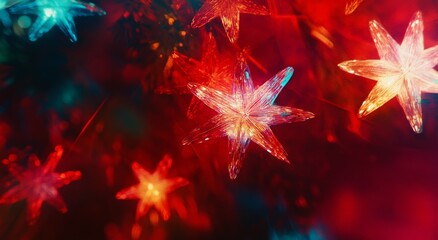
{"x":55,"y":12}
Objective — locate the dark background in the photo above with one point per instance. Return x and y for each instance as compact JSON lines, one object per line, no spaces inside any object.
{"x":350,"y":178}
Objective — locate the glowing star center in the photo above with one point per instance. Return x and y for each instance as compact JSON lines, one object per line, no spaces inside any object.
{"x":152,"y":192}
{"x":244,"y":114}
{"x":243,"y":129}
{"x":406,"y":71}
{"x":49,"y":12}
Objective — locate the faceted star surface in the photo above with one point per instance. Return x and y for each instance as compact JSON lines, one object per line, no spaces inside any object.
{"x":245,"y":114}
{"x":403,"y":71}
{"x":153,"y":188}
{"x":55,"y":12}
{"x":214,"y":70}
{"x":229,"y":12}
{"x":39,"y":183}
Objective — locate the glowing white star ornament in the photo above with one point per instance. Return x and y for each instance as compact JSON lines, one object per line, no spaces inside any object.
{"x":229,"y":12}
{"x":404,"y":71}
{"x":55,"y":12}
{"x":245,"y":114}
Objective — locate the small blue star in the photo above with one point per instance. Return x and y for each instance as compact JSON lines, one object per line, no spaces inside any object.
{"x":55,"y":12}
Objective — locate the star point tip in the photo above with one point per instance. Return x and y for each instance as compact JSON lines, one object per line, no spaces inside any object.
{"x":195,"y":23}
{"x":417,"y":125}
{"x":135,"y":165}
{"x":418,"y":14}
{"x":192,"y":85}
{"x":289,"y":71}
{"x":373,"y":24}
{"x":233,"y":171}
{"x":120,"y":195}
{"x":418,"y":129}
{"x":361,"y":113}
{"x":185,"y":142}
{"x":309,"y":115}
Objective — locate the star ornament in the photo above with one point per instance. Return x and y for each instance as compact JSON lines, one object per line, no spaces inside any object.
{"x":229,"y":12}
{"x":153,"y":188}
{"x":403,"y":71}
{"x":212,"y":70}
{"x":39,"y":183}
{"x":55,"y":12}
{"x":245,"y":115}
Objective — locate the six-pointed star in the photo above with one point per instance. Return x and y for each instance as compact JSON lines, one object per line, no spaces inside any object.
{"x":55,"y":12}
{"x":404,"y":71}
{"x":213,"y":70}
{"x":39,"y":183}
{"x":229,"y":12}
{"x":245,"y":115}
{"x":153,"y":188}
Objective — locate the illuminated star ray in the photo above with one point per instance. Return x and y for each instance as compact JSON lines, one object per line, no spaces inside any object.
{"x":245,"y":115}
{"x":229,"y":12}
{"x":55,"y":12}
{"x":403,"y":70}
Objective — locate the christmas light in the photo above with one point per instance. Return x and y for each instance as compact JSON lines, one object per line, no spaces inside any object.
{"x":214,"y":70}
{"x":245,"y":115}
{"x":153,"y":188}
{"x":229,"y":12}
{"x":38,"y":183}
{"x":55,"y":12}
{"x":404,"y":71}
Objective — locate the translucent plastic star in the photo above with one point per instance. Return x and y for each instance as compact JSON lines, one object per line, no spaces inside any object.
{"x":214,"y":70}
{"x":245,"y":115}
{"x":229,"y":12}
{"x":404,"y":71}
{"x":55,"y":12}
{"x":39,"y":183}
{"x":153,"y":188}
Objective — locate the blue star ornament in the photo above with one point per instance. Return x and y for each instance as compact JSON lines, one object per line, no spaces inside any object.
{"x":55,"y":12}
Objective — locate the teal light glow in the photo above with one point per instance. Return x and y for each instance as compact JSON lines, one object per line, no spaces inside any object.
{"x":55,"y":12}
{"x":7,"y":3}
{"x":24,"y":21}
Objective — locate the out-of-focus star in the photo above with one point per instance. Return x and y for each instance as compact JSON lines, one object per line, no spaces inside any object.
{"x":55,"y":12}
{"x":229,"y":12}
{"x":245,"y":114}
{"x":39,"y":183}
{"x":153,"y":188}
{"x":404,"y":71}
{"x":214,"y":70}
